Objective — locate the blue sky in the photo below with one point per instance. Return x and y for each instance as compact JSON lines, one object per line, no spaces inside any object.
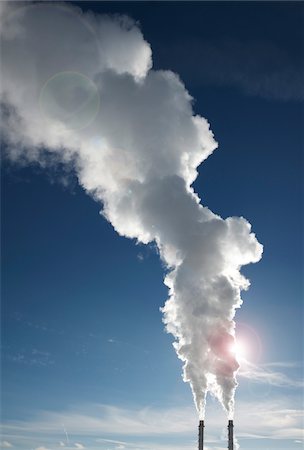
{"x":86,"y":362}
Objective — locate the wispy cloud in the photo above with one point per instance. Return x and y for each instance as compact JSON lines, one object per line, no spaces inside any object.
{"x":258,"y":68}
{"x":5,"y":444}
{"x":142,"y":429}
{"x":163,"y":446}
{"x":27,"y":321}
{"x":264,"y":374}
{"x":108,"y":427}
{"x":31,"y":357}
{"x":284,"y":364}
{"x":111,"y":441}
{"x":98,"y":419}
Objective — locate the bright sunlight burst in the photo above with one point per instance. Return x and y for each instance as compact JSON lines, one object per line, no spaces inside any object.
{"x":240,"y":350}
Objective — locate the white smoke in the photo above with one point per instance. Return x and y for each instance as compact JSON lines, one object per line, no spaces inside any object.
{"x":78,"y":88}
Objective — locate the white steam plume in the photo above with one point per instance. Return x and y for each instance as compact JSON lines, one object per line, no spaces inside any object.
{"x":79,"y":88}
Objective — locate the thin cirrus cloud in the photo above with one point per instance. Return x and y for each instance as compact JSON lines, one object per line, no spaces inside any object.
{"x":277,"y":418}
{"x":31,"y":358}
{"x":263,"y":374}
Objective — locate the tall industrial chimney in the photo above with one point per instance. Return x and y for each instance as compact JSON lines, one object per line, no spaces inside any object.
{"x":230,"y":434}
{"x":201,"y":435}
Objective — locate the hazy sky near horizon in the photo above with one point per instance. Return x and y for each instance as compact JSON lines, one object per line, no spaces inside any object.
{"x":85,"y":359}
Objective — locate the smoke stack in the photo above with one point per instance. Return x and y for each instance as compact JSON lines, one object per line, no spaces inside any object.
{"x":230,"y":434}
{"x":201,"y":435}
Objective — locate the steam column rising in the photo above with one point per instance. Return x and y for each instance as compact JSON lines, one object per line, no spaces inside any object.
{"x":201,"y":435}
{"x":230,"y":434}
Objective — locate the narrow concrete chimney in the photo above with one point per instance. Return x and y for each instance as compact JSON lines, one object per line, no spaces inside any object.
{"x":230,"y":434}
{"x":201,"y":435}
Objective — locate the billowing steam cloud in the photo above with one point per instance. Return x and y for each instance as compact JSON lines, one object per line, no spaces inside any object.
{"x":78,"y":88}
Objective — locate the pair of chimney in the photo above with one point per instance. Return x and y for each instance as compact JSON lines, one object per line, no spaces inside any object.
{"x":201,"y":435}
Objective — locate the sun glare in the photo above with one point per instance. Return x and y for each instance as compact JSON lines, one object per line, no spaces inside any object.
{"x":239,"y":350}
